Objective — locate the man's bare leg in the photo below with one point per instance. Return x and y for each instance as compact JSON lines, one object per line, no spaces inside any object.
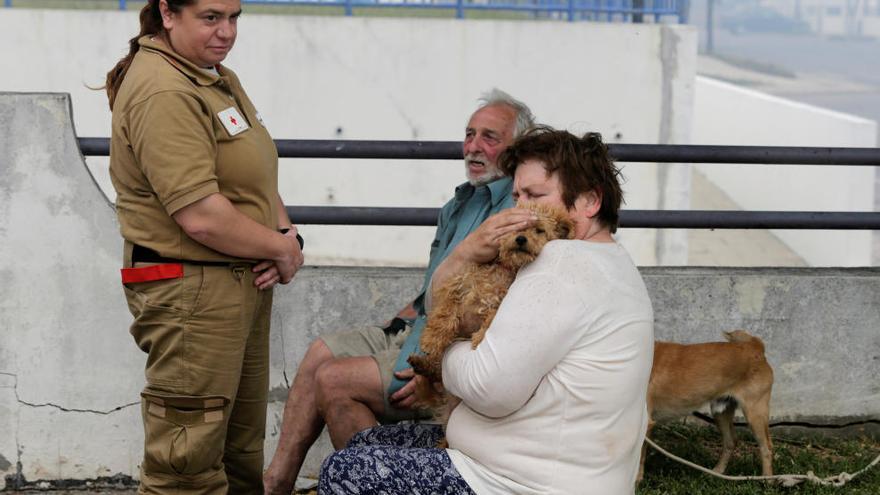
{"x":300,"y":425}
{"x":350,"y":396}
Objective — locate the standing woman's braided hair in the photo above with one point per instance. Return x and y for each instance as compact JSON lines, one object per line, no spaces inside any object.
{"x":151,"y":23}
{"x":583,"y":165}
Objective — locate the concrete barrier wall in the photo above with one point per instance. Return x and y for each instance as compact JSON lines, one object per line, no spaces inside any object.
{"x":70,"y":374}
{"x":728,"y":114}
{"x":317,"y":77}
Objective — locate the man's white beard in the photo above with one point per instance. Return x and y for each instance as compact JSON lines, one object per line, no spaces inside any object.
{"x":492,"y":173}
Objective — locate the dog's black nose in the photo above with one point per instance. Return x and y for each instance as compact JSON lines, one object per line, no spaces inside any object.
{"x":520,"y":240}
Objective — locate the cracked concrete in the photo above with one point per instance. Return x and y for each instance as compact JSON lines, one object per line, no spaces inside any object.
{"x":91,"y":411}
{"x":14,"y":387}
{"x":17,"y":478}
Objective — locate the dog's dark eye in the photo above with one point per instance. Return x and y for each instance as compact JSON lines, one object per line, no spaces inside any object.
{"x":540,"y":231}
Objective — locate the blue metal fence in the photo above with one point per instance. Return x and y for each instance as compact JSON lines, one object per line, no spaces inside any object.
{"x":570,"y":10}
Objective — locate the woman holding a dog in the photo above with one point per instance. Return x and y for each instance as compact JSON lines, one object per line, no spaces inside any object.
{"x":553,"y":399}
{"x":195,"y":173}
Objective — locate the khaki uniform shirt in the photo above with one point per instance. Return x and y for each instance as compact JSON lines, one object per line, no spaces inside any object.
{"x":181,"y":133}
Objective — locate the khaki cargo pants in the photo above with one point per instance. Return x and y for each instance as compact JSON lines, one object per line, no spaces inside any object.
{"x":206,"y":336}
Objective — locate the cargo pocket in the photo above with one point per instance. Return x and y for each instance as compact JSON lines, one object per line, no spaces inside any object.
{"x":161,"y":309}
{"x":179,"y":295}
{"x":184,"y":435}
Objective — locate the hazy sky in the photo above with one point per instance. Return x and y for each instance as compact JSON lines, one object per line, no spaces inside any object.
{"x":806,"y":55}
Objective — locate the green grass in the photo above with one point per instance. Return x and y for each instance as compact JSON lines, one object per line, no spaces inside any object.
{"x":702,"y":445}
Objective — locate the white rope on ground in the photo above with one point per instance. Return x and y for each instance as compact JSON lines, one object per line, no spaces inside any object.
{"x":784,"y":479}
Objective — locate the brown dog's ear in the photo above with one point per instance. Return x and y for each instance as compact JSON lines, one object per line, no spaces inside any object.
{"x":563,"y":229}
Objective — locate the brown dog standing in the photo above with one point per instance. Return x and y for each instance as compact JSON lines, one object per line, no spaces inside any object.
{"x":725,"y":374}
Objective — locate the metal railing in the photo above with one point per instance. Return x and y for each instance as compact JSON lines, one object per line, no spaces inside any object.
{"x":649,"y":153}
{"x":571,"y":10}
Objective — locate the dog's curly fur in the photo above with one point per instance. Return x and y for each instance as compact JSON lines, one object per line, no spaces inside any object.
{"x":465,"y":305}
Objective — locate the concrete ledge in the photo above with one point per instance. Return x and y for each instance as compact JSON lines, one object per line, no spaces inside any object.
{"x":70,"y":374}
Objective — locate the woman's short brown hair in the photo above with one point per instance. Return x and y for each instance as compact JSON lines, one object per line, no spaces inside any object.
{"x":583,"y":165}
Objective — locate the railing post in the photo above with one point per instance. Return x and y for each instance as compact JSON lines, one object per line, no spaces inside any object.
{"x":683,"y":11}
{"x":459,"y":9}
{"x":348,"y":8}
{"x":570,"y":10}
{"x":638,"y":16}
{"x":710,"y":26}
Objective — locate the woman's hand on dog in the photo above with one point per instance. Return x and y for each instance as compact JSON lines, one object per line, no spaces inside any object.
{"x":482,"y":245}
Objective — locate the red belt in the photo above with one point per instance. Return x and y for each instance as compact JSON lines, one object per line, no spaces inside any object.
{"x":152,"y":273}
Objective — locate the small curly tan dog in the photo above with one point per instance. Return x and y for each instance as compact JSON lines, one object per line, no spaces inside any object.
{"x":466,"y":304}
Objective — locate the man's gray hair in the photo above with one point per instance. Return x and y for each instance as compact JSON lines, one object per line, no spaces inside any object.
{"x":524,"y":118}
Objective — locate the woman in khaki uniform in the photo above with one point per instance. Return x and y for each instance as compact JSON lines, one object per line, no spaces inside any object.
{"x":206,"y":238}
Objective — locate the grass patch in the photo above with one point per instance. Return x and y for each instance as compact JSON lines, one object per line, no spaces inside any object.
{"x":702,"y":445}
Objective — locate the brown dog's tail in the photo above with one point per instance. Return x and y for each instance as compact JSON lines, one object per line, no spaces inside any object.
{"x":743,"y":336}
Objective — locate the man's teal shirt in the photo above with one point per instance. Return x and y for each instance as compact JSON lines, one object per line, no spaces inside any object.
{"x":458,"y":218}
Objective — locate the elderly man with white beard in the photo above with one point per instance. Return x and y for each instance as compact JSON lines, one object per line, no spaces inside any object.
{"x":354,"y":379}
